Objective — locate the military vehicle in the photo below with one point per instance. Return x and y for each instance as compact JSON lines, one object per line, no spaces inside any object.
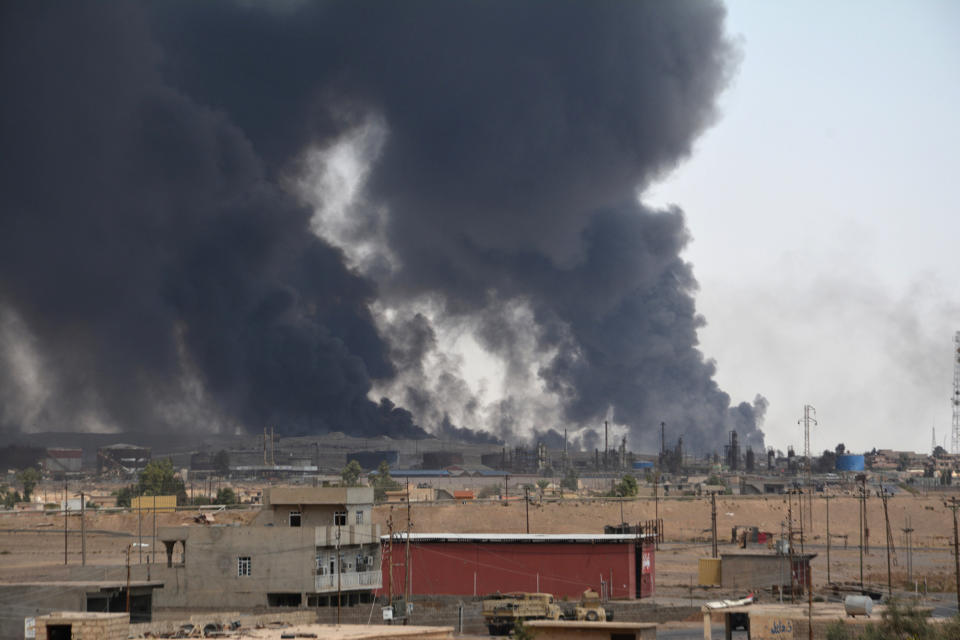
{"x":590,"y":608}
{"x":502,"y":611}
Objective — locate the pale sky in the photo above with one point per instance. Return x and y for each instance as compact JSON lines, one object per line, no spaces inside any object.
{"x":823,"y":207}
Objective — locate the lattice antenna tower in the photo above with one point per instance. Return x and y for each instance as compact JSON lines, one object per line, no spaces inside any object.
{"x":955,"y":431}
{"x":808,"y":417}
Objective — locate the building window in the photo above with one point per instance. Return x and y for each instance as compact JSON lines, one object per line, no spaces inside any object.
{"x":243,"y":566}
{"x":340,"y":518}
{"x":294,"y":518}
{"x":359,"y":517}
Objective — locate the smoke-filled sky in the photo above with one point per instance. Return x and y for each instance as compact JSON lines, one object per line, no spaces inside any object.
{"x":823,"y":209}
{"x":376,"y":218}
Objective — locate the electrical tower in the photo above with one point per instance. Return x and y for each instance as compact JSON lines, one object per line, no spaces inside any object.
{"x":955,"y":432}
{"x":808,"y":416}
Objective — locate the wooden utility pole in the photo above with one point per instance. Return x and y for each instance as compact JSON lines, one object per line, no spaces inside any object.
{"x":656,"y":508}
{"x":886,"y":518}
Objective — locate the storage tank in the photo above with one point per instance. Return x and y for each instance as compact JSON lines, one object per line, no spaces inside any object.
{"x":643,"y":464}
{"x":858,"y":605}
{"x":850,"y":462}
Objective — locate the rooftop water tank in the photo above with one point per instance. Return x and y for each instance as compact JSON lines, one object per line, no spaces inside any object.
{"x":850,"y":462}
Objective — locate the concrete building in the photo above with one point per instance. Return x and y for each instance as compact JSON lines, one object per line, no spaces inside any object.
{"x":286,"y":557}
{"x":476,"y":564}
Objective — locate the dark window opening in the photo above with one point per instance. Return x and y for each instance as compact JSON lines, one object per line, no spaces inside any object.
{"x":294,"y":518}
{"x":340,"y":519}
{"x":59,"y":632}
{"x":283,"y":599}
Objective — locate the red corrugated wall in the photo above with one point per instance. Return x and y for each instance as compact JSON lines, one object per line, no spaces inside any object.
{"x":563,"y":569}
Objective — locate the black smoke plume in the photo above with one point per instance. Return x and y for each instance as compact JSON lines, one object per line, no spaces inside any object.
{"x":162,"y":270}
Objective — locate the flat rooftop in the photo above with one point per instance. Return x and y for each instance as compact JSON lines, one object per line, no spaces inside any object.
{"x":521,"y":538}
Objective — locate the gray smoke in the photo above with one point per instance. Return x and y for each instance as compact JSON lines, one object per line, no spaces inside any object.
{"x":147,"y":239}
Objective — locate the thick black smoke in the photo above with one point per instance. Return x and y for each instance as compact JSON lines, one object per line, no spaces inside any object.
{"x":142,"y":245}
{"x":144,"y":232}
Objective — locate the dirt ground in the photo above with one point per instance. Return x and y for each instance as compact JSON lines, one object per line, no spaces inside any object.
{"x":30,"y":542}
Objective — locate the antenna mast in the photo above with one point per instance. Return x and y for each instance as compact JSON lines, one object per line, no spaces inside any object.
{"x":955,"y":440}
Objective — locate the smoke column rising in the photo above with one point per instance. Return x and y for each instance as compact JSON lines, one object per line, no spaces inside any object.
{"x":165,"y":270}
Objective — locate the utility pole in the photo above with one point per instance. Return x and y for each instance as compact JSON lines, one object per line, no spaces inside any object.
{"x":526,"y":501}
{"x":338,"y":573}
{"x":66,"y":512}
{"x":128,"y":578}
{"x":886,"y":518}
{"x":800,"y":506}
{"x":656,"y":509}
{"x":153,"y":546}
{"x":790,"y":540}
{"x":390,"y":563}
{"x":908,"y":534}
{"x":140,"y":529}
{"x":713,"y":522}
{"x":407,"y":578}
{"x":83,"y":531}
{"x":860,"y":532}
{"x":828,"y":498}
{"x":956,"y":546}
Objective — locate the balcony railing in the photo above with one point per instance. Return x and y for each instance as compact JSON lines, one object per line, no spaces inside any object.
{"x":350,"y":580}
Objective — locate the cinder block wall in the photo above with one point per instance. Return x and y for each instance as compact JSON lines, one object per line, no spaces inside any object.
{"x":87,"y":626}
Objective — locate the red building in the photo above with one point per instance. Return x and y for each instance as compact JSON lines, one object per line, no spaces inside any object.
{"x":475,"y":564}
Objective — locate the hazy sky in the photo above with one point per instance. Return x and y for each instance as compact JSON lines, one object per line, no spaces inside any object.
{"x":823,"y":207}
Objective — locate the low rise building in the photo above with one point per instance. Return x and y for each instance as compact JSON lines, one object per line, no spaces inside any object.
{"x":306,"y":545}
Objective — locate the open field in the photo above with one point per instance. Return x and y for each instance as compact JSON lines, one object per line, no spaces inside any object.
{"x":33,"y":543}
